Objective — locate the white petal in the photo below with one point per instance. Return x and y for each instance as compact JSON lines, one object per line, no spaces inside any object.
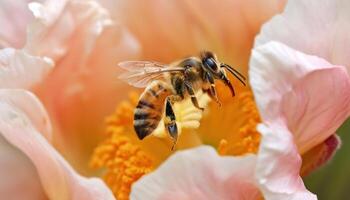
{"x":199,"y":173}
{"x":274,"y":69}
{"x":21,"y":70}
{"x":34,"y":112}
{"x":315,"y":27}
{"x":278,"y":165}
{"x":61,"y":25}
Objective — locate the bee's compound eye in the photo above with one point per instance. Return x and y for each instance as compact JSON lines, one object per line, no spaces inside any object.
{"x":210,"y":63}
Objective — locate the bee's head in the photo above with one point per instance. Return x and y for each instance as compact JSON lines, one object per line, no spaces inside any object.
{"x":210,"y":64}
{"x":217,"y":69}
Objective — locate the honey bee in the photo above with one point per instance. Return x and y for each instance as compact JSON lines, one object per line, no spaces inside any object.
{"x":166,"y":84}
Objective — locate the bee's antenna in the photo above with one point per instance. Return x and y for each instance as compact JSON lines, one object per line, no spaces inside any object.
{"x":234,"y":72}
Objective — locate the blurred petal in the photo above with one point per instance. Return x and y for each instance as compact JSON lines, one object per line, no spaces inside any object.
{"x":79,"y":100}
{"x":58,"y":179}
{"x":315,"y":27}
{"x":33,"y":109}
{"x":61,"y":25}
{"x":86,"y":49}
{"x":320,"y":91}
{"x":14,"y":17}
{"x":19,"y":178}
{"x":199,"y":173}
{"x":278,"y":164}
{"x":21,"y":70}
{"x":227,"y":28}
{"x":319,"y":155}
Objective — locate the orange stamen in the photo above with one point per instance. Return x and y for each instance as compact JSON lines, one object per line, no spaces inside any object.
{"x":248,"y":137}
{"x":124,"y":161}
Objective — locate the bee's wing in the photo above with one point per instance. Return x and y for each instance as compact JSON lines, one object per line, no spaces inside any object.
{"x":141,"y":73}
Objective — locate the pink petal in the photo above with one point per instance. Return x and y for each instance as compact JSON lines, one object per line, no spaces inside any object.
{"x":75,"y":93}
{"x":79,"y":36}
{"x":58,"y":178}
{"x":312,"y":27}
{"x":14,"y":17}
{"x":278,"y":164}
{"x":274,"y":69}
{"x":21,"y":70}
{"x":320,"y":91}
{"x":199,"y":173}
{"x":33,"y":110}
{"x":61,"y":25}
{"x":317,"y":106}
{"x":19,"y":178}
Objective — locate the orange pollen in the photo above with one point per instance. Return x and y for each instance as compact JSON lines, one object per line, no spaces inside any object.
{"x":124,"y":162}
{"x":248,"y":137}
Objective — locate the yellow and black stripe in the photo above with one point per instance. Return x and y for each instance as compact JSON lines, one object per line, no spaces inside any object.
{"x":150,"y":107}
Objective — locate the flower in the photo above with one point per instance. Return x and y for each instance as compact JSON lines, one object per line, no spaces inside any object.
{"x":77,"y":37}
{"x":282,"y":80}
{"x":122,"y":154}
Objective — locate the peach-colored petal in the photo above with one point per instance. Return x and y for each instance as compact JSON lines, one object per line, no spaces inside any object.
{"x":21,"y":70}
{"x":199,"y":173}
{"x":14,"y":17}
{"x":169,"y":30}
{"x":315,"y":27}
{"x":83,"y":88}
{"x":61,"y":25}
{"x":19,"y":179}
{"x":78,"y":100}
{"x":320,"y":155}
{"x":278,"y":164}
{"x":58,"y":179}
{"x":319,"y":90}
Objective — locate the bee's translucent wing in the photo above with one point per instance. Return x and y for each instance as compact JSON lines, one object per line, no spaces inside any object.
{"x":141,"y":73}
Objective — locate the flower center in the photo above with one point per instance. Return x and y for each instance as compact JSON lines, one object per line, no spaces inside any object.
{"x":123,"y":160}
{"x":232,"y":127}
{"x":247,"y":138}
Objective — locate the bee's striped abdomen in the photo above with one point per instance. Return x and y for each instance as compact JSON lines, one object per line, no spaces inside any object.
{"x":149,"y":109}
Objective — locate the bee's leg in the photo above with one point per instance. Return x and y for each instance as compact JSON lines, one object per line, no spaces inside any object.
{"x":212,"y":95}
{"x":190,"y":90}
{"x":212,"y":91}
{"x":170,"y":121}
